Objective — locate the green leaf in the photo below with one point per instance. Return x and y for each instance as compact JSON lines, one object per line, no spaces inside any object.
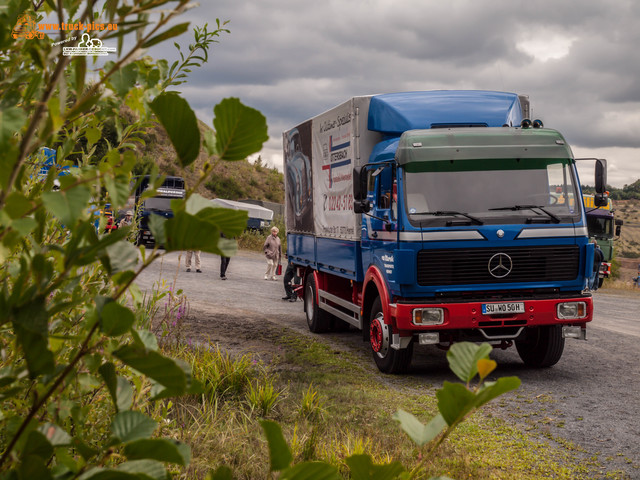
{"x":279,"y":454}
{"x":108,"y":373}
{"x":181,"y":125}
{"x":161,"y":449}
{"x":37,"y":445}
{"x":148,"y":468}
{"x":33,"y":466}
{"x":67,"y":205}
{"x":170,"y":33}
{"x":122,"y":255}
{"x":417,"y":431}
{"x":163,"y":370}
{"x":146,"y":339}
{"x":463,"y":359}
{"x":31,"y":327}
{"x":124,"y":79}
{"x":454,"y":402}
{"x":231,"y":222}
{"x":493,"y":390}
{"x":124,"y":394}
{"x":11,"y":122}
{"x":109,"y":474}
{"x":55,"y":435}
{"x":115,"y":319}
{"x":17,"y":205}
{"x":240,"y":130}
{"x":157,"y":226}
{"x":118,"y":190}
{"x":188,"y":232}
{"x":361,"y":467}
{"x":130,"y":425}
{"x":311,"y":471}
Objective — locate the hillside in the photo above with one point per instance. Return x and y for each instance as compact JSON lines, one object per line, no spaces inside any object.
{"x":628,"y":245}
{"x":230,"y":180}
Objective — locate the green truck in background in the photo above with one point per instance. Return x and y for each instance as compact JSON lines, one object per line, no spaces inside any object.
{"x":600,"y":223}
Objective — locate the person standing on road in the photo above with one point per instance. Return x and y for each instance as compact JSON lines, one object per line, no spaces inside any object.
{"x":224,"y":263}
{"x":288,"y":288}
{"x":273,"y":252}
{"x":196,"y":254}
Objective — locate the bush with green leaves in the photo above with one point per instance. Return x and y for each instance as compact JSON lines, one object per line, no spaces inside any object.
{"x":67,"y":338}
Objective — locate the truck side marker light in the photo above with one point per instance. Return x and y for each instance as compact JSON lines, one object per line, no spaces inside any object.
{"x":428,"y":316}
{"x":572,"y":310}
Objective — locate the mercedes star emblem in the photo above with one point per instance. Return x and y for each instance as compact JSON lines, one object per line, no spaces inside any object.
{"x":500,"y":265}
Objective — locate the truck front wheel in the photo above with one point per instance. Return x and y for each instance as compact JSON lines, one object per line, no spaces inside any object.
{"x":318,"y":320}
{"x":388,"y":359}
{"x":543,"y":346}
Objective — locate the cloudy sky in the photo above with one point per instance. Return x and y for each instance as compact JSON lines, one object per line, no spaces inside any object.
{"x":578,"y":61}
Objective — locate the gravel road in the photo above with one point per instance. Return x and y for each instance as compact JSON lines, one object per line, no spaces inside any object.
{"x":591,"y":398}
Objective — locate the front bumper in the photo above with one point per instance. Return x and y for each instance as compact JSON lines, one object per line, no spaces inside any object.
{"x":469,"y":316}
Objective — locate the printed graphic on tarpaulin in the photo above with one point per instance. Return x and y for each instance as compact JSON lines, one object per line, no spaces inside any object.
{"x":298,"y":171}
{"x":333,"y":153}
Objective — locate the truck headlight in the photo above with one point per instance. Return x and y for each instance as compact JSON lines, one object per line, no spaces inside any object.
{"x":428,"y":316}
{"x":572,"y":310}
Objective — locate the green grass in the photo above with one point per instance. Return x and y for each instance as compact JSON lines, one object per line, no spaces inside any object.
{"x":331,"y":405}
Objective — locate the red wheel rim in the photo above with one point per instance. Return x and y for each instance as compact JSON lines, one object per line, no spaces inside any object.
{"x":376,"y":335}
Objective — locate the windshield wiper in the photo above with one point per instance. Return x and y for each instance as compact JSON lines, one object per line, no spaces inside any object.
{"x":555,"y":218}
{"x":445,"y":213}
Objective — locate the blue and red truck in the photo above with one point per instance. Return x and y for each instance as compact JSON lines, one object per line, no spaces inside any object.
{"x":428,"y":218}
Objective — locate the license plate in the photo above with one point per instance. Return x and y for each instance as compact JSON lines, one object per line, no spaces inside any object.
{"x":496,"y":308}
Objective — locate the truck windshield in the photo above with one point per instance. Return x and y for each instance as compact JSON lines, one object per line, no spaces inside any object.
{"x":495,"y":191}
{"x":158,"y":204}
{"x":600,"y":226}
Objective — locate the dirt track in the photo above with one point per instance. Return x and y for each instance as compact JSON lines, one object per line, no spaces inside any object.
{"x":590,"y":398}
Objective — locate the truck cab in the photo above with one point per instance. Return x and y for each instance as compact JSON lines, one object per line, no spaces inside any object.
{"x":158,"y":204}
{"x":469,"y":225}
{"x":603,"y":227}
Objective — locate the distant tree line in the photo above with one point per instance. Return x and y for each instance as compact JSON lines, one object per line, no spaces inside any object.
{"x":627,"y":192}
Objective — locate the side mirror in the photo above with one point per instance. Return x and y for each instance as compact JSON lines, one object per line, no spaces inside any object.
{"x":619,"y":222}
{"x":359,"y":184}
{"x":361,"y":206}
{"x":601,"y":198}
{"x":360,"y":202}
{"x":601,"y":175}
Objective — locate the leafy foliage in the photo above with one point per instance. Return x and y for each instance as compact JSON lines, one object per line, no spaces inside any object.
{"x":68,"y":334}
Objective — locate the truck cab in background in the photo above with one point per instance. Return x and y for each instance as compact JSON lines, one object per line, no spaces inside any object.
{"x":159,"y":204}
{"x":603,"y":227}
{"x":433,"y":218}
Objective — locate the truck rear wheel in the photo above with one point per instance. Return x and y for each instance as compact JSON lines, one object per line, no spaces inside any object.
{"x":388,"y":359}
{"x":318,"y":320}
{"x":543,"y":346}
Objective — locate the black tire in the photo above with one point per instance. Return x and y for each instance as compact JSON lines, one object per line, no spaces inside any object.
{"x":388,"y":360}
{"x":318,"y":320}
{"x":542,"y":348}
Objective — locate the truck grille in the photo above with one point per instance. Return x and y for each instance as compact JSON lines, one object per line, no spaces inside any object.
{"x":471,"y":266}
